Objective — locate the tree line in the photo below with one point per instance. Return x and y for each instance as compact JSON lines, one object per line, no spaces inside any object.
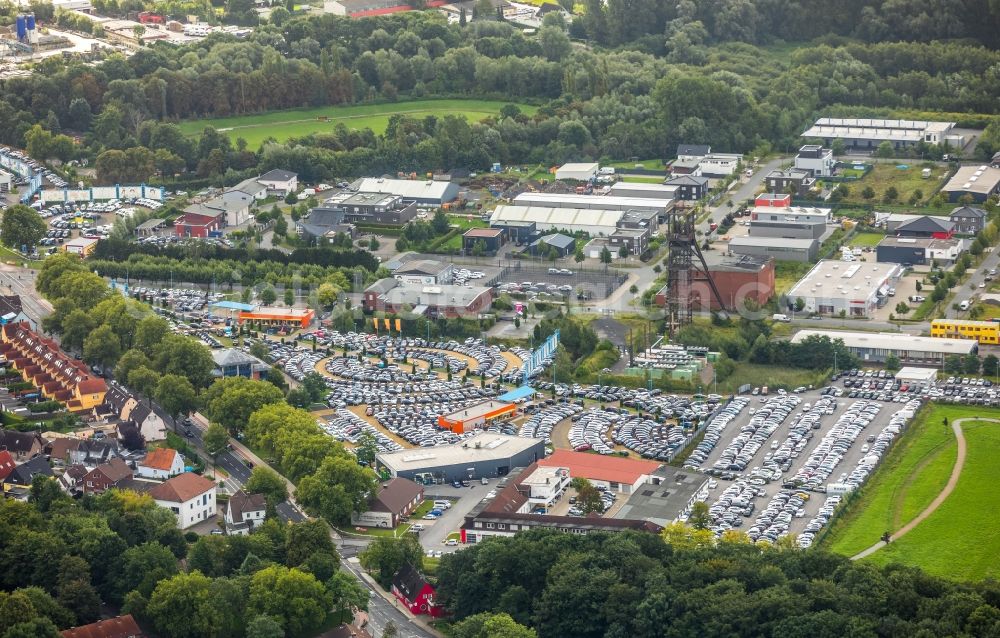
{"x":594,"y":102}
{"x":685,"y":584}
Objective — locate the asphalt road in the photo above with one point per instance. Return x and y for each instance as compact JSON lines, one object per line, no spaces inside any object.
{"x":382,"y":611}
{"x":17,"y":281}
{"x":964,"y":293}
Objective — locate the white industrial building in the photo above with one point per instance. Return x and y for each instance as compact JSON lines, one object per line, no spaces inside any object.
{"x":424,"y":192}
{"x":581,"y":172}
{"x":6,"y":181}
{"x":640,"y":190}
{"x":595,"y":223}
{"x":978,"y":182}
{"x":597,"y":202}
{"x":869,"y":133}
{"x":856,"y":288}
{"x":719,"y":164}
{"x":874,"y":347}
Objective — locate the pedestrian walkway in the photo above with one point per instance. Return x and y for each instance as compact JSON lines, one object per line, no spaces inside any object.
{"x":956,"y":472}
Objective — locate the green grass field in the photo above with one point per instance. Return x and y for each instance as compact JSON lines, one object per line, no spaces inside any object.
{"x":906,"y":182}
{"x":866,"y":239}
{"x":771,"y":376}
{"x":643,"y":179}
{"x":786,"y":273}
{"x":958,"y":539}
{"x":282,"y":125}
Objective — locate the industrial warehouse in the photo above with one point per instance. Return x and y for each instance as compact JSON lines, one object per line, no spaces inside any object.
{"x":484,"y":455}
{"x":872,"y":347}
{"x":855,"y":289}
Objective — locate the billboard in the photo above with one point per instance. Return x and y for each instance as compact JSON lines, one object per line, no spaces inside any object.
{"x":542,"y":352}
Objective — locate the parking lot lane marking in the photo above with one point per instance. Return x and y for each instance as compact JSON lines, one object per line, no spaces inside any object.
{"x":956,"y":472}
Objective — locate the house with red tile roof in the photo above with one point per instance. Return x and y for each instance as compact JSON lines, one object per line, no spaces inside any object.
{"x":118,"y":627}
{"x":6,"y":464}
{"x":161,"y":463}
{"x":190,"y":497}
{"x":611,"y":472}
{"x":106,"y":476}
{"x":57,"y":375}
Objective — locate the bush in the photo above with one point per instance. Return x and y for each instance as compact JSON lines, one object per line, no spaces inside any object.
{"x":45,"y":406}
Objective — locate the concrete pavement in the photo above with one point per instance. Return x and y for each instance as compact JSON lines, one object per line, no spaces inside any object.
{"x":964,"y":293}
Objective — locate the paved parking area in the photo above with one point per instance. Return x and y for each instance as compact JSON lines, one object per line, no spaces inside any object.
{"x":767,"y":489}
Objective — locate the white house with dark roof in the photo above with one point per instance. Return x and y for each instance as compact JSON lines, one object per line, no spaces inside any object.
{"x":279,"y":182}
{"x":244,"y":512}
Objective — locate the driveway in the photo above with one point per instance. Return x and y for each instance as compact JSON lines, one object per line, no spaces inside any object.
{"x":436,"y":532}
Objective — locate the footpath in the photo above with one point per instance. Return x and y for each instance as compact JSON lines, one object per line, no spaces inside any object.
{"x":956,"y":472}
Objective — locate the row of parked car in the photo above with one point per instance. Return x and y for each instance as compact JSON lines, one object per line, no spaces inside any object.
{"x":651,"y":439}
{"x":345,"y":425}
{"x":714,"y":431}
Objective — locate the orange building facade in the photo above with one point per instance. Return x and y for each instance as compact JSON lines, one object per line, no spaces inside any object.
{"x":479,"y":416}
{"x":298,"y":318}
{"x":57,"y":375}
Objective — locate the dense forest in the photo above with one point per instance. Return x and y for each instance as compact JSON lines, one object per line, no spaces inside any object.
{"x":638,"y":98}
{"x":641,"y":585}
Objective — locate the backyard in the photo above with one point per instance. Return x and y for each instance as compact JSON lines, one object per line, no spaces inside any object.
{"x":955,"y":540}
{"x":863,"y":239}
{"x":282,"y":125}
{"x":907,"y":182}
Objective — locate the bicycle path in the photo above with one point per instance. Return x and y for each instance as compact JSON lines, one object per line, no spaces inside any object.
{"x":956,"y":472}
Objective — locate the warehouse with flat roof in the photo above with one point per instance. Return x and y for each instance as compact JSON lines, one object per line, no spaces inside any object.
{"x":869,"y":133}
{"x":876,"y":347}
{"x":596,"y":202}
{"x":978,"y":182}
{"x":424,"y":192}
{"x":779,"y":248}
{"x":485,"y":454}
{"x":640,"y":190}
{"x":595,"y":223}
{"x":855,"y":288}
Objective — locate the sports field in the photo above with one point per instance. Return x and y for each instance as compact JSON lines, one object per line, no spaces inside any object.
{"x":282,"y":125}
{"x":959,"y":539}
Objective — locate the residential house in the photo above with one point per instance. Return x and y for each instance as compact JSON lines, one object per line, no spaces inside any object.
{"x":692,"y":151}
{"x":279,"y":182}
{"x":57,"y":375}
{"x":94,"y":452}
{"x":425,"y":271}
{"x":6,"y":464}
{"x":11,"y":311}
{"x":71,"y":480}
{"x":412,"y":590}
{"x":634,"y":240}
{"x":161,"y":463}
{"x":117,"y":627}
{"x":815,"y":160}
{"x":689,"y":187}
{"x":22,"y":445}
{"x":25,"y":472}
{"x":59,"y":449}
{"x":793,"y":180}
{"x":396,"y":499}
{"x":968,"y":219}
{"x":106,"y":476}
{"x":190,"y":497}
{"x":244,"y":512}
{"x":119,"y":403}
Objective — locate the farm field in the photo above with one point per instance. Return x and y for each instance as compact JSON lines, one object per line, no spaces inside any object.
{"x":956,"y":540}
{"x":282,"y":125}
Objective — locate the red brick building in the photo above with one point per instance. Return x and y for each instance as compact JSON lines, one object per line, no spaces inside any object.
{"x":106,"y":476}
{"x":196,"y":225}
{"x":738,"y":278}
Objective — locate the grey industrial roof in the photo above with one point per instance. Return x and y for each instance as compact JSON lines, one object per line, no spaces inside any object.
{"x":483,"y":446}
{"x":558,"y":240}
{"x":661,"y":504}
{"x":597,"y":202}
{"x":693,"y":149}
{"x":558,"y":217}
{"x":422,"y":267}
{"x":410,"y":188}
{"x":249,"y":186}
{"x":875,"y":129}
{"x":151,"y":224}
{"x":688,"y":180}
{"x":278,"y":175}
{"x":974,"y":179}
{"x":893,"y":341}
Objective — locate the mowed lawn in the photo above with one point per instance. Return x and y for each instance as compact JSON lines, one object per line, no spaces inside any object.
{"x":282,"y":125}
{"x":866,"y":239}
{"x":915,"y":471}
{"x":961,"y":539}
